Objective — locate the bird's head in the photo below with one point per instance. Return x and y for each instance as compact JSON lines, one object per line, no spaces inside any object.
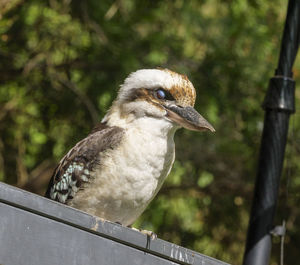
{"x":161,"y":94}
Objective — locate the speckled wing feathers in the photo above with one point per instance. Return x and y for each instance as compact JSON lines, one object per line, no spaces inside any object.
{"x":74,"y":170}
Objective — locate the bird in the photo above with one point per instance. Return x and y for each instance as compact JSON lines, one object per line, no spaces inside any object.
{"x":116,"y":171}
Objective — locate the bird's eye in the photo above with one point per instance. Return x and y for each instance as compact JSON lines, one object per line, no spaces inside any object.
{"x":160,"y":94}
{"x":163,"y":94}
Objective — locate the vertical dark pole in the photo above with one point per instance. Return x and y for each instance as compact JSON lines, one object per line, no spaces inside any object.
{"x":278,"y":105}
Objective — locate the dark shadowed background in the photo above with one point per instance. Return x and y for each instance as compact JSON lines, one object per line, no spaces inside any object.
{"x":61,"y":63}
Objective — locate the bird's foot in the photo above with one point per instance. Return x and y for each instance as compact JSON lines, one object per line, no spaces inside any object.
{"x":148,"y":233}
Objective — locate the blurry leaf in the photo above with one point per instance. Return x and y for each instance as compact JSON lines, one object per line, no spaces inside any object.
{"x":205,"y":179}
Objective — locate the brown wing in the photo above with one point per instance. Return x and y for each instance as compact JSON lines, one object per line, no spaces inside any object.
{"x":75,"y":167}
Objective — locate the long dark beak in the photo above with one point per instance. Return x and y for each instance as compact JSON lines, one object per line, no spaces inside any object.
{"x":188,"y":118}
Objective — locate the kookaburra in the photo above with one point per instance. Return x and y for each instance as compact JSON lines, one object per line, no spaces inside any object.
{"x":115,"y":171}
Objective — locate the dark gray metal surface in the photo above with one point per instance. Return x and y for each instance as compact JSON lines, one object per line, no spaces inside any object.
{"x":38,"y":231}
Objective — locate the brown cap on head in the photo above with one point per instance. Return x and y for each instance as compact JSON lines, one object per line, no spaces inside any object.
{"x":182,"y":90}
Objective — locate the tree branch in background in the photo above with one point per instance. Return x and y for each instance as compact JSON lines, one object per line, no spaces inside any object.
{"x":82,"y":97}
{"x":39,"y":177}
{"x":94,"y":26}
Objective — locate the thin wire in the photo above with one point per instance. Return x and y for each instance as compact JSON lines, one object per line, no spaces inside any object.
{"x":282,"y":246}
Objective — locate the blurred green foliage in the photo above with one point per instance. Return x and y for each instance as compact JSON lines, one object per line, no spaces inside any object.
{"x":61,"y":63}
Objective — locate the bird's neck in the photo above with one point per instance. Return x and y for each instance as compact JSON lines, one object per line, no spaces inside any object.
{"x":147,"y":124}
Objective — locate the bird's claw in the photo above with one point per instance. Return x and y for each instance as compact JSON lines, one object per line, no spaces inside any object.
{"x":148,"y":233}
